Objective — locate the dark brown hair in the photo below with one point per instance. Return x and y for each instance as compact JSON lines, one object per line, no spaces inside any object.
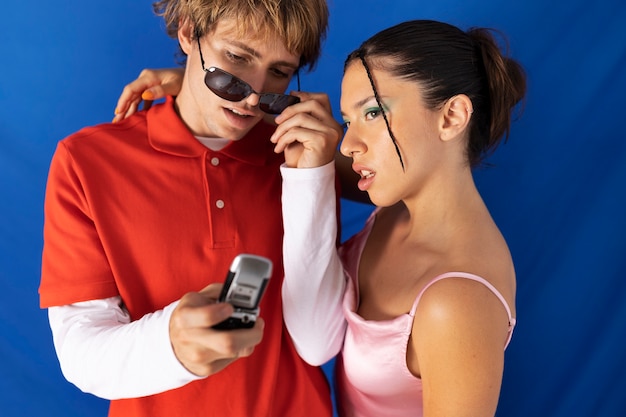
{"x":447,"y":61}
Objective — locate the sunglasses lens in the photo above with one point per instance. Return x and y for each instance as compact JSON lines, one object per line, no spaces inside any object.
{"x":231,"y":88}
{"x":226,"y":85}
{"x":276,"y":103}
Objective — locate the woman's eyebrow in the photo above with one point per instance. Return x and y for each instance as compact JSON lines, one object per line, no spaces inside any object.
{"x":361,"y":103}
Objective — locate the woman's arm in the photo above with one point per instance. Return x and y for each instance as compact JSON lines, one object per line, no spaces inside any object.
{"x":314,"y":280}
{"x":457,"y":345}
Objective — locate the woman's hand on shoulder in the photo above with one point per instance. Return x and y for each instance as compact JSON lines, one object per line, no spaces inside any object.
{"x":152,"y":84}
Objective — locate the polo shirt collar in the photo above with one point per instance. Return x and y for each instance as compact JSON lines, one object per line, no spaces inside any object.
{"x":167,"y":133}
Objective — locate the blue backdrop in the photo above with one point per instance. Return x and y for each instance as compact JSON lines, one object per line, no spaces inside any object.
{"x":558,"y":188}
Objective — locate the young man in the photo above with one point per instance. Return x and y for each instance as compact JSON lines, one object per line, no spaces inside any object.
{"x":143,"y":218}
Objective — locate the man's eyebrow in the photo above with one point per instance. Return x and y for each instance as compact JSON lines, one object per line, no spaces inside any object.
{"x":246,"y":48}
{"x":256,"y":54}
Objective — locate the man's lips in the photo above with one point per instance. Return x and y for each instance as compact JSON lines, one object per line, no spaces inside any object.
{"x":240,"y":113}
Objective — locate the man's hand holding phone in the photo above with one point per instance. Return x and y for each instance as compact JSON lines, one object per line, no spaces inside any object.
{"x":198,"y":322}
{"x":199,"y":347}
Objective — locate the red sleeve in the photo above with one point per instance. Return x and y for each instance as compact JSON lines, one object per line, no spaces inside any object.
{"x":74,"y":265}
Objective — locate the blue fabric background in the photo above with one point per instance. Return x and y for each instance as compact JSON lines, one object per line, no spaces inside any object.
{"x":557,"y":190}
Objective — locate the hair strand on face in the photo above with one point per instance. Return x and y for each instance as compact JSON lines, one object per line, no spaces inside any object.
{"x":382,"y":110}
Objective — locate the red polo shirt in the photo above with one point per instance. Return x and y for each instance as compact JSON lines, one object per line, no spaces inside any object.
{"x":142,"y":210}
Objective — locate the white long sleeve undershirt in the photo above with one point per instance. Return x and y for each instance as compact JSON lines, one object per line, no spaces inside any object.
{"x":314,"y":282}
{"x":103,"y":353}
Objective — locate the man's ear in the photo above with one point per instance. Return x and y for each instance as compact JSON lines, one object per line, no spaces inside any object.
{"x":456,"y":115}
{"x":186,"y":36}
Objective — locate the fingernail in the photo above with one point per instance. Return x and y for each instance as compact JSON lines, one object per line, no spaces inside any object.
{"x":147,"y":95}
{"x":117,"y":111}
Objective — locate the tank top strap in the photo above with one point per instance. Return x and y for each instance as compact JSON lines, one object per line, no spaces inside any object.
{"x":494,"y":290}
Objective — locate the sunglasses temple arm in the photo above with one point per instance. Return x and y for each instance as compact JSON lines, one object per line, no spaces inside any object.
{"x":200,"y":50}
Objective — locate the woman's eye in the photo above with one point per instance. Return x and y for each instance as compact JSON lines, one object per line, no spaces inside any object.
{"x":345,"y":125}
{"x":371,"y":114}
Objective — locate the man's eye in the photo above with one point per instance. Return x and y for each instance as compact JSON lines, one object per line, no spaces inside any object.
{"x":279,"y":74}
{"x":234,"y":57}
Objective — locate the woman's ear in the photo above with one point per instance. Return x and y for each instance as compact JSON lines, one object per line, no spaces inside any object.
{"x":186,"y":36}
{"x":456,"y":115}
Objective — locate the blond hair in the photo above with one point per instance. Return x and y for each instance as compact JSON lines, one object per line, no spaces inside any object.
{"x":301,"y":24}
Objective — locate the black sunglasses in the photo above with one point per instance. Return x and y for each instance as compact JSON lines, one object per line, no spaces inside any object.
{"x":231,"y":88}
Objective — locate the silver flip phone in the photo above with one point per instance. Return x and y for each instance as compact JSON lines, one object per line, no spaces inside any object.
{"x":244,"y":286}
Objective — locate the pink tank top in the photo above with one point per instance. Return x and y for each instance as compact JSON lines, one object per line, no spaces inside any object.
{"x":372,"y":375}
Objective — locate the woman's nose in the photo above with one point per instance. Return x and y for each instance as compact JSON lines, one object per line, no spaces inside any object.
{"x":349,"y":144}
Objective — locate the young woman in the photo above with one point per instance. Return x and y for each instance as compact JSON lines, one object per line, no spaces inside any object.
{"x":420,"y":303}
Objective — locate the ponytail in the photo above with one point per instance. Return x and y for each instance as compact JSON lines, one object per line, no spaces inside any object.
{"x":505,"y":82}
